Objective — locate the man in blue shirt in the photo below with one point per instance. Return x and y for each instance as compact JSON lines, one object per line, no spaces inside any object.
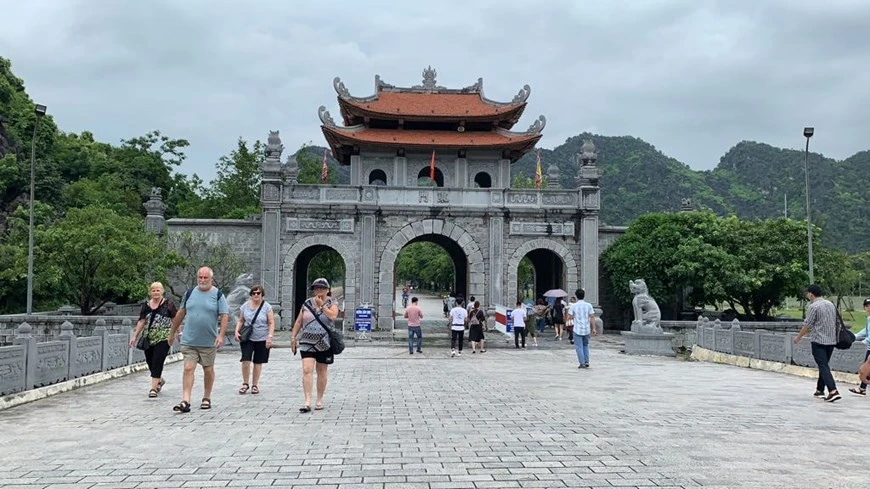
{"x":584,"y":327}
{"x":205,"y":314}
{"x":864,"y":337}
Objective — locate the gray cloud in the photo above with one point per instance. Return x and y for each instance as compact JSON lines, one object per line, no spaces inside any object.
{"x":691,"y":77}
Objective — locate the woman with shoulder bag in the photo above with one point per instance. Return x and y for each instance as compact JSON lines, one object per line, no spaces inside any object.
{"x":476,"y":323}
{"x":254,"y":331}
{"x":156,"y":313}
{"x":311,"y":339}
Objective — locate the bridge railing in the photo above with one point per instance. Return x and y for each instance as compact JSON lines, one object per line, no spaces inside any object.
{"x":29,"y":363}
{"x":686,"y":332}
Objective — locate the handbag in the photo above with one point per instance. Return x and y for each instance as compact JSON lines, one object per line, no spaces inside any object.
{"x":845,"y":338}
{"x":248,"y":329}
{"x":142,"y":343}
{"x":336,"y":341}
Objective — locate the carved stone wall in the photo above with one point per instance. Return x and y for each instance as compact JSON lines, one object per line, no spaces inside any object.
{"x":244,"y":237}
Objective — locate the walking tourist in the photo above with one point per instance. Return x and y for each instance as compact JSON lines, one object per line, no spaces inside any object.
{"x":569,"y":321}
{"x":540,"y":311}
{"x":157,"y":314}
{"x":311,"y":338}
{"x":518,"y":317}
{"x":414,"y":315}
{"x":476,"y":323}
{"x":821,"y":327}
{"x":457,"y":327}
{"x":205,"y":314}
{"x":583,"y":316}
{"x":531,"y":331}
{"x":559,"y":317}
{"x":864,"y":336}
{"x":254,"y":331}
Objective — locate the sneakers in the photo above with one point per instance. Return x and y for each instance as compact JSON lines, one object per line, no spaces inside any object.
{"x":820,"y":394}
{"x":452,"y":353}
{"x":459,"y":353}
{"x":411,"y":352}
{"x":833,"y":397}
{"x":419,"y":351}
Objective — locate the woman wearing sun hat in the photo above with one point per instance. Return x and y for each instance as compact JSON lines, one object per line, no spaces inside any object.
{"x":311,"y":338}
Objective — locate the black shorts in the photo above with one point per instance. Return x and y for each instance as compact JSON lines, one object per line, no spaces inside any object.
{"x":324,"y":357}
{"x":256,"y":351}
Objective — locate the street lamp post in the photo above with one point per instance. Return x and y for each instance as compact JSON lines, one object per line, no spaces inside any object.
{"x":40,"y":111}
{"x":808,"y":133}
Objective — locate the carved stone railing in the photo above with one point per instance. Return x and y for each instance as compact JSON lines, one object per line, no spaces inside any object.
{"x":685,"y":332}
{"x":48,"y":327}
{"x":30,"y":363}
{"x":775,"y":346}
{"x":586,"y":198}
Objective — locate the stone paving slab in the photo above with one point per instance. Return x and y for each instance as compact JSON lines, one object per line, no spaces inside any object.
{"x":502,"y":419}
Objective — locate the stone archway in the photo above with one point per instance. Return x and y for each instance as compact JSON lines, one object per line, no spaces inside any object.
{"x":562,"y":251}
{"x":417,"y":229}
{"x":343,"y":248}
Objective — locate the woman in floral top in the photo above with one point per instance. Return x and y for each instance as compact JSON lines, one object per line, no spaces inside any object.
{"x":155,"y":318}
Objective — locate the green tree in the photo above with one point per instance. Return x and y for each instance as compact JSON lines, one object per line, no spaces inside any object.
{"x":524,"y":181}
{"x":707,"y":260}
{"x":235,"y":191}
{"x":311,"y":166}
{"x":193,"y":250}
{"x":426,"y":263}
{"x":95,"y":255}
{"x":329,"y":265}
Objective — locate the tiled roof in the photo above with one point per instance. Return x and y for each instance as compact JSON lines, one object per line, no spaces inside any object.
{"x":428,"y":105}
{"x":429,"y":139}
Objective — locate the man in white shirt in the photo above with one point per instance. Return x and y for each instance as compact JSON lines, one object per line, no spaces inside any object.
{"x":518,"y":316}
{"x":583,"y":317}
{"x":458,"y":315}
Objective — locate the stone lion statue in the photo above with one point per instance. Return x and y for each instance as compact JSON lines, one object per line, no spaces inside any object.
{"x":240,"y":293}
{"x":647,"y":315}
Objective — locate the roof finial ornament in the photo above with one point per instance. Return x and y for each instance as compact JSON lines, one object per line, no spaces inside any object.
{"x":429,"y":75}
{"x":340,"y":89}
{"x":588,"y":154}
{"x":537,"y":126}
{"x":325,"y":118}
{"x":274,"y":146}
{"x":522,"y":95}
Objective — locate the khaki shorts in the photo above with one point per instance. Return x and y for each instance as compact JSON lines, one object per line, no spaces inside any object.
{"x":198,"y":354}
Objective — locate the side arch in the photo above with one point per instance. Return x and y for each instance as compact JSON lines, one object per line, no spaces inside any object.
{"x":344,"y":248}
{"x":562,"y":251}
{"x":476,"y":264}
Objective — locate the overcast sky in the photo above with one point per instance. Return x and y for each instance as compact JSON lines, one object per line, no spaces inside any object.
{"x":691,"y":77}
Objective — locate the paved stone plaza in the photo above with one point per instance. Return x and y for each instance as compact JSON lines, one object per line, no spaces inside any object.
{"x":506,"y":418}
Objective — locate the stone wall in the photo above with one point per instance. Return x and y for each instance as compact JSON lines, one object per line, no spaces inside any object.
{"x":243,"y":236}
{"x":617,"y":314}
{"x":775,"y":346}
{"x":686,"y":332}
{"x":29,"y":363}
{"x":47,"y":328}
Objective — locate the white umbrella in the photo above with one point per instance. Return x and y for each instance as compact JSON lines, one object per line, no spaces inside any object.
{"x":555,"y":293}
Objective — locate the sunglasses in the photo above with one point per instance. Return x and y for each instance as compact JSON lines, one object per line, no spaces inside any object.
{"x":256,"y":292}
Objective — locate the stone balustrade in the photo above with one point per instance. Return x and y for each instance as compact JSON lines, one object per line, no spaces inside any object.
{"x":30,"y":363}
{"x":686,"y":332}
{"x":47,"y":327}
{"x":772,"y":345}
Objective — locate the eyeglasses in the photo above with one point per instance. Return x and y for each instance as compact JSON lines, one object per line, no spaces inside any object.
{"x":256,"y":292}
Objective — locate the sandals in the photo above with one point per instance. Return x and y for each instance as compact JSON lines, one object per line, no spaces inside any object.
{"x":318,"y":407}
{"x":255,"y":390}
{"x":152,"y":393}
{"x":182,"y":407}
{"x":244,"y":388}
{"x":205,"y":404}
{"x":858,"y":390}
{"x":305,"y":409}
{"x":160,"y":384}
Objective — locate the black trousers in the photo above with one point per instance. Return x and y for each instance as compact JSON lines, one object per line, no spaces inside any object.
{"x":519,"y":332}
{"x":155,"y":356}
{"x":822,"y":356}
{"x":456,"y":337}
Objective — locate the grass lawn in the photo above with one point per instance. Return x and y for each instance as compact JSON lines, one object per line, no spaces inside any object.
{"x":855,"y":319}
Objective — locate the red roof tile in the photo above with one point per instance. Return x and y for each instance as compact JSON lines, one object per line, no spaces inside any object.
{"x":452,"y":105}
{"x":393,"y":137}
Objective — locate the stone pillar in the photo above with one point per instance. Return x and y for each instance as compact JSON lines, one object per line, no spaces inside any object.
{"x":291,"y":171}
{"x":367,"y":259}
{"x":24,"y":338}
{"x":272,"y":188}
{"x":66,"y":334}
{"x":461,"y":173}
{"x":103,"y":333}
{"x":504,"y":173}
{"x":589,"y":251}
{"x":356,"y":173}
{"x":155,"y":221}
{"x":496,"y":262}
{"x":553,"y":177}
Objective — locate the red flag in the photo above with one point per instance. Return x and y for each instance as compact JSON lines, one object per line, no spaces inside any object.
{"x":538,"y":174}
{"x":324,"y":173}
{"x":432,"y":167}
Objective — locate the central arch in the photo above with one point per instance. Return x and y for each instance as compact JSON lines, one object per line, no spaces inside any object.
{"x":562,"y":251}
{"x":435,"y":230}
{"x":307,"y":248}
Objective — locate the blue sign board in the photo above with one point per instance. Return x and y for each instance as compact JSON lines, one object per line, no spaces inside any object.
{"x":362,"y":319}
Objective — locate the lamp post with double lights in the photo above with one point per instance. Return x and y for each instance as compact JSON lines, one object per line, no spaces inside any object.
{"x":808,"y":133}
{"x":40,"y":111}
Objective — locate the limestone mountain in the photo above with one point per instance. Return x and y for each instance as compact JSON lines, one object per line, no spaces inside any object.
{"x":751,"y":181}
